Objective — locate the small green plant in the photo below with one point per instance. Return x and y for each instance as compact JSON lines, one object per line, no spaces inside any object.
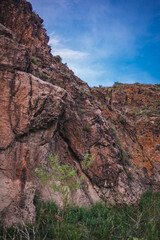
{"x":37,"y":75}
{"x":126,"y":102}
{"x":63,"y":72}
{"x":63,"y":178}
{"x":45,"y":76}
{"x":87,"y":128}
{"x":157,"y":100}
{"x":58,"y":58}
{"x":58,"y":82}
{"x":62,"y":86}
{"x":80,"y":112}
{"x":125,"y":157}
{"x":34,"y":61}
{"x":137,"y":83}
{"x":109,"y":95}
{"x":117,"y":84}
{"x":68,"y":75}
{"x":85,"y":91}
{"x":144,"y":111}
{"x":136,"y":111}
{"x":88,"y":160}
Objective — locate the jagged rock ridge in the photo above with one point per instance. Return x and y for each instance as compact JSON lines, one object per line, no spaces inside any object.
{"x":46,"y":109}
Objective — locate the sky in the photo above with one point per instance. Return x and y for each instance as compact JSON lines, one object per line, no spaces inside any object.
{"x":105,"y":41}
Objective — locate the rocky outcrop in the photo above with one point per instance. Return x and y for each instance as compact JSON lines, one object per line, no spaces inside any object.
{"x":46,"y":109}
{"x":18,"y":16}
{"x":133,"y":112}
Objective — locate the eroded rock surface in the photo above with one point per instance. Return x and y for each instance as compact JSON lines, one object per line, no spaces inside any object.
{"x":45,"y":108}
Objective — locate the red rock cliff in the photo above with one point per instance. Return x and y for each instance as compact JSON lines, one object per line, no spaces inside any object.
{"x":46,"y":109}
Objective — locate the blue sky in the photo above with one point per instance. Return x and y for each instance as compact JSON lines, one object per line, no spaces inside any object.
{"x":104,"y":41}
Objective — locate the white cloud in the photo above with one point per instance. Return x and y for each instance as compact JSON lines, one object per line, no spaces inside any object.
{"x":69,"y":54}
{"x":54,"y":42}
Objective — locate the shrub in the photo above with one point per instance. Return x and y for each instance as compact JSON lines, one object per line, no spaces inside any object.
{"x":59,"y":59}
{"x":68,"y":75}
{"x":63,"y":178}
{"x":45,"y":76}
{"x":87,"y":128}
{"x":135,"y":222}
{"x":80,"y":112}
{"x":85,"y":91}
{"x":37,"y":75}
{"x":88,"y":160}
{"x":34,"y":61}
{"x":117,"y":83}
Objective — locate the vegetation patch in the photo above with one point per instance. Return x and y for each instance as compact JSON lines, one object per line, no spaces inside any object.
{"x":125,"y":157}
{"x":87,"y":161}
{"x":81,"y":112}
{"x":58,"y":58}
{"x":34,"y":61}
{"x":117,"y":84}
{"x":136,"y":222}
{"x":45,"y":76}
{"x":37,"y":75}
{"x":63,"y":178}
{"x":85,"y":91}
{"x":139,"y":112}
{"x":68,"y":75}
{"x":87,"y":128}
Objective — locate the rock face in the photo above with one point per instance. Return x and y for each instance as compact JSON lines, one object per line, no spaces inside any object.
{"x":46,"y":109}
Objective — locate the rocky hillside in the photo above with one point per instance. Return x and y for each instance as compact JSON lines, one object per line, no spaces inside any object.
{"x":46,"y":109}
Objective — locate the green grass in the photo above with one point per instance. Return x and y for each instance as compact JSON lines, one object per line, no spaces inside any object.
{"x":136,"y":222}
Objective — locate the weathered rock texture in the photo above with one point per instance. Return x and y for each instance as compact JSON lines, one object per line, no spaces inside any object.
{"x":45,"y":108}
